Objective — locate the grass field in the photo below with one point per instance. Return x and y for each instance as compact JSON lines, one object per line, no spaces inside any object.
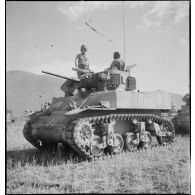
{"x":159,"y":170}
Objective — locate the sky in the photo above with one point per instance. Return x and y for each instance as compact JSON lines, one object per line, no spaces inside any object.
{"x":48,"y":35}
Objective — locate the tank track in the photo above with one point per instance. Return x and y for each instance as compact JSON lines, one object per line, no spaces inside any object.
{"x":27,"y":132}
{"x":76,"y":145}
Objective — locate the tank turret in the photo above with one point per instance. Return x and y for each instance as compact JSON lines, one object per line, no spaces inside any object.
{"x":109,"y":79}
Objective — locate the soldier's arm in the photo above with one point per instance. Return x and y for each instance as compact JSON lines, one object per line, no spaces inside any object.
{"x":87,"y":62}
{"x":76,"y":60}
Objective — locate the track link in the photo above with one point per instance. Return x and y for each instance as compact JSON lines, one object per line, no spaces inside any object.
{"x":77,"y":146}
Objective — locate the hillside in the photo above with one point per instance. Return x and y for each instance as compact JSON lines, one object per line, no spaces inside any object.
{"x":27,"y":91}
{"x":176,"y":100}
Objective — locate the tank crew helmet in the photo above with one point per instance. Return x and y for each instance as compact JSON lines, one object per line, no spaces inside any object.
{"x":83,"y":47}
{"x":116,"y":55}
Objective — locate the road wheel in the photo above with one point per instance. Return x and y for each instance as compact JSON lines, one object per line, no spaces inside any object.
{"x":128,"y":142}
{"x":118,"y":143}
{"x":95,"y":147}
{"x":168,"y":136}
{"x":147,"y":142}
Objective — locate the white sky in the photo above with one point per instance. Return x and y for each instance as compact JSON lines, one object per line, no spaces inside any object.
{"x":157,"y":38}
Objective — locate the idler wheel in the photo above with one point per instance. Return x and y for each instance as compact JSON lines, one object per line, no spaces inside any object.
{"x":164,"y":140}
{"x":118,"y":143}
{"x":96,"y":149}
{"x":167,"y":138}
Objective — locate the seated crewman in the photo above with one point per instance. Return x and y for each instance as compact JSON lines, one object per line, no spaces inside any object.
{"x":117,"y":62}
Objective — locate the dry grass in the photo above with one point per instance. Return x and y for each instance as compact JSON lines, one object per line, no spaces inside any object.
{"x":160,"y":170}
{"x":15,"y":138}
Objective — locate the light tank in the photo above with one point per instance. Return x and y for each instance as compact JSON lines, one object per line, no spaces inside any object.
{"x":102,"y":112}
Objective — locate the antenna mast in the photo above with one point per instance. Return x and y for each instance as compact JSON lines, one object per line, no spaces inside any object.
{"x":124,"y":29}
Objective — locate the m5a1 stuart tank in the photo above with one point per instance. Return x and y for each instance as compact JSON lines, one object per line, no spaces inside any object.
{"x":102,"y":111}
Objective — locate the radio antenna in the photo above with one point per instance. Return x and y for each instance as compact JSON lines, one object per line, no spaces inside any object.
{"x":124,"y":29}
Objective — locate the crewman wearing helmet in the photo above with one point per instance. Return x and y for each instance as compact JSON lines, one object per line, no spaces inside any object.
{"x":81,"y":61}
{"x":117,"y":62}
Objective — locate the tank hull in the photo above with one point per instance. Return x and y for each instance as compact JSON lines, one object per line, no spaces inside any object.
{"x":62,"y":122}
{"x":158,"y":100}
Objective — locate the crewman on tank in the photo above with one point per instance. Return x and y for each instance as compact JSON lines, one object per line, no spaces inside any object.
{"x":82,"y":61}
{"x":117,"y":62}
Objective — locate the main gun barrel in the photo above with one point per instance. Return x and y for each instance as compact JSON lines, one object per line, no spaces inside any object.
{"x":60,"y":76}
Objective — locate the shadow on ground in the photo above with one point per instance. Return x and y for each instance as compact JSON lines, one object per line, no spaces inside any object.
{"x":43,"y":158}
